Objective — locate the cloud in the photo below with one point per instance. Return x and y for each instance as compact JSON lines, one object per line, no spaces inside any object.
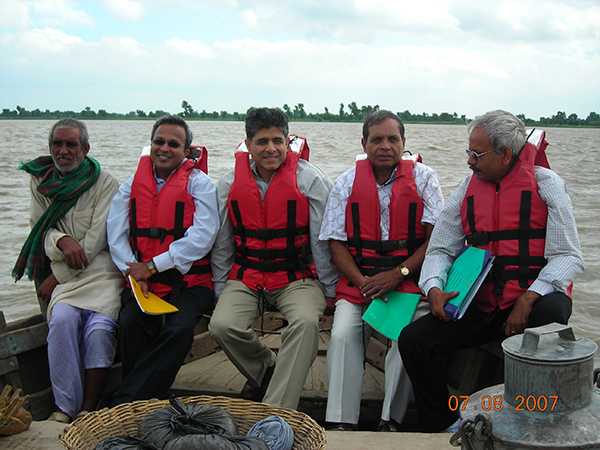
{"x":58,"y":12}
{"x":46,"y":41}
{"x":371,"y":21}
{"x":249,"y":18}
{"x":190,"y":48}
{"x":525,"y":21}
{"x":125,"y":9}
{"x":458,"y":59}
{"x":13,"y":14}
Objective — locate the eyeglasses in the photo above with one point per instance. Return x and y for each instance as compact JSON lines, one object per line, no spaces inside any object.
{"x":160,"y":142}
{"x":476,"y":156}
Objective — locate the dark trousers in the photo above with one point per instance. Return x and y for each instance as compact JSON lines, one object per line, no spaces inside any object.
{"x":427,"y":345}
{"x":153,"y":348}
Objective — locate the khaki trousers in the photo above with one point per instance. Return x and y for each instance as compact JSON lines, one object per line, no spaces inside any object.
{"x":301,"y":302}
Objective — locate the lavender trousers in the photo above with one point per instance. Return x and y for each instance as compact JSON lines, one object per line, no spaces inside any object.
{"x":78,"y":339}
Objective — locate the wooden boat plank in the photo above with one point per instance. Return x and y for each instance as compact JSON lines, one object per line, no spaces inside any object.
{"x":202,"y":345}
{"x":8,"y":365}
{"x":24,"y":339}
{"x":215,"y":374}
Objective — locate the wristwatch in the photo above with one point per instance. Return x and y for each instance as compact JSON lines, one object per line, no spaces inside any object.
{"x":151,"y":267}
{"x":404,"y":271}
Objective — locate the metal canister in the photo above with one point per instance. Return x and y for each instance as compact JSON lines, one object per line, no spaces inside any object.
{"x":548,"y":400}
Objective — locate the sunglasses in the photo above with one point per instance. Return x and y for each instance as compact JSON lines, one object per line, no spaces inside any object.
{"x":160,"y":142}
{"x":476,"y":156}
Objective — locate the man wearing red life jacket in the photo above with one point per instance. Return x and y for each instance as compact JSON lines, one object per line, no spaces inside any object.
{"x":378,"y":219}
{"x":161,"y":227}
{"x":519,"y":211}
{"x":268,"y":251}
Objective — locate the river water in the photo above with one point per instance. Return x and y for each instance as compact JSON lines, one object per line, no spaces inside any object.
{"x":573,"y":153}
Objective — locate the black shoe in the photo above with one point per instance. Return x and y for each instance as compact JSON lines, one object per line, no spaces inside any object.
{"x":387,"y":426}
{"x":341,"y":426}
{"x":255,"y":393}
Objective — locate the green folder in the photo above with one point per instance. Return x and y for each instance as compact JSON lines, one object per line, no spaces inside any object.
{"x":466,"y":276}
{"x":391,"y":316}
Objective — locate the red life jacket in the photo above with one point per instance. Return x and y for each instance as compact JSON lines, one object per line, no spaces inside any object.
{"x":271,"y":235}
{"x":372,"y":254}
{"x":159,"y":218}
{"x":508,"y":219}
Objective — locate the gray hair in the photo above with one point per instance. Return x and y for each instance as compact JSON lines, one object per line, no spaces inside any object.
{"x":84,"y":139}
{"x":504,"y":130}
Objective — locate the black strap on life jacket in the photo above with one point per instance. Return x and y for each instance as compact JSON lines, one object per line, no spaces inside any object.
{"x":371,"y":265}
{"x":175,"y":279}
{"x":177,"y":231}
{"x":291,"y":259}
{"x":528,"y":267}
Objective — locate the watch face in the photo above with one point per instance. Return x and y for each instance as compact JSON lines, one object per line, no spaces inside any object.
{"x":404,"y":271}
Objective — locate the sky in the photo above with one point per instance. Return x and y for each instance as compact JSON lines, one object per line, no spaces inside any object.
{"x":468,"y":57}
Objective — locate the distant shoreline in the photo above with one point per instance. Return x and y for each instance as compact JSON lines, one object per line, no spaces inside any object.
{"x":196,"y":119}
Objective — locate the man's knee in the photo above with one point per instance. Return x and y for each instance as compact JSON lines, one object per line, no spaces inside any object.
{"x":100,"y":349}
{"x":65,"y":316}
{"x":409,"y":339}
{"x":218,"y":326}
{"x":553,"y":307}
{"x":342,"y":332}
{"x":179,"y":332}
{"x":130,"y":313}
{"x":304,"y":323}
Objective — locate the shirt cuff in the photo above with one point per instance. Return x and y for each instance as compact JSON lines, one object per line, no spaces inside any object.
{"x":163,"y":262}
{"x":429,"y":284}
{"x":542,"y":287}
{"x":51,"y":245}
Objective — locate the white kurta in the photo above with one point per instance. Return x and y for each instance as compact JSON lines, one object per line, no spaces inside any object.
{"x":98,"y":286}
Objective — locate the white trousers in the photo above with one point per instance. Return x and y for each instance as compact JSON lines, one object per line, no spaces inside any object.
{"x":345,"y":364}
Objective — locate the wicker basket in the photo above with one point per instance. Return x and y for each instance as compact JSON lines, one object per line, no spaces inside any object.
{"x":123,"y":420}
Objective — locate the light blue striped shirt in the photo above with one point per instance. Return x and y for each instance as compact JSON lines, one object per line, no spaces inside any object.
{"x":562,"y":251}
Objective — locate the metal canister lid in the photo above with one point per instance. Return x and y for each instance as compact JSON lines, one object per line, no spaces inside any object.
{"x":550,"y":343}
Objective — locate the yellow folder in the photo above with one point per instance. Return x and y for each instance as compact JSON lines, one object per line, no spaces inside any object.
{"x":153,"y":304}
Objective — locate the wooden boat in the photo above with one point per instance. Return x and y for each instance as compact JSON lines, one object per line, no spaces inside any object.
{"x":207,"y":370}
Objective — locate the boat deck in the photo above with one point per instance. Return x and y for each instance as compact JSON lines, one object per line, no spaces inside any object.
{"x":44,"y":436}
{"x":214,"y":374}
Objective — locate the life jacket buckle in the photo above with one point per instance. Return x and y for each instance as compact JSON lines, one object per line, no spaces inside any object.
{"x":478,"y":238}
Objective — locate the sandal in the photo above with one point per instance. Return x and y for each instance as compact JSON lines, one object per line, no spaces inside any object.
{"x":59,"y":416}
{"x":81,"y":413}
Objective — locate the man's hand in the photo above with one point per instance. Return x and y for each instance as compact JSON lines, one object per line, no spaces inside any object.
{"x":381,"y":283}
{"x":144,"y":287}
{"x":74,"y":254}
{"x":519,"y":316}
{"x":47,"y":287}
{"x":139,"y":271}
{"x":437,"y":300}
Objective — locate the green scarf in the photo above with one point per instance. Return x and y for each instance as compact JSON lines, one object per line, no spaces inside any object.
{"x":64,"y":191}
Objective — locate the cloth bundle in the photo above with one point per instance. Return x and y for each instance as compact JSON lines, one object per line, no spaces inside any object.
{"x":191,"y":426}
{"x":275,"y":432}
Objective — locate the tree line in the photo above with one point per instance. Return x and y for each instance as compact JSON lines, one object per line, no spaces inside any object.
{"x":349,"y":112}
